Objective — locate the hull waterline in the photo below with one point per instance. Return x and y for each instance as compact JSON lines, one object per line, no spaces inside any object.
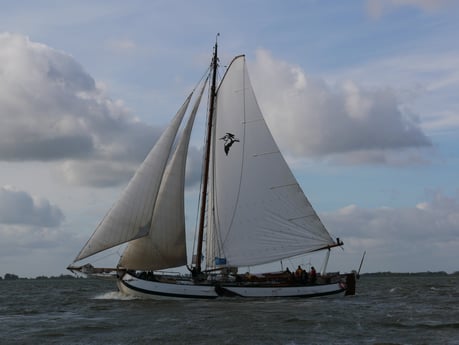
{"x":187,"y":288}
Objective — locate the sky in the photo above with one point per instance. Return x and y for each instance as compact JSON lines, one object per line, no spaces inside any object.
{"x":360,"y":95}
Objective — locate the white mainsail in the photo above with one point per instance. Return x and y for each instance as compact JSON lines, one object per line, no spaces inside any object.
{"x":131,"y":216}
{"x":258,"y":212}
{"x":165,"y":245}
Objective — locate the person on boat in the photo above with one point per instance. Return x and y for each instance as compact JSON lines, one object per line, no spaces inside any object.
{"x":289,"y":275}
{"x":304,"y":276}
{"x":313,"y":275}
{"x":298,"y":273}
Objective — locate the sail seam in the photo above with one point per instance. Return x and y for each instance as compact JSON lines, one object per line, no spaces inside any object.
{"x":301,"y":217}
{"x":284,"y":186}
{"x":252,"y":121}
{"x":265,"y":153}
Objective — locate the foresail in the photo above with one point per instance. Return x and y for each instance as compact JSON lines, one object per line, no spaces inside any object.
{"x":130,"y":217}
{"x":259,"y":212}
{"x":165,"y":245}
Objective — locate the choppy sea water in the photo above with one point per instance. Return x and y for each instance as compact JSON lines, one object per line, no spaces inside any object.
{"x":386,"y":310}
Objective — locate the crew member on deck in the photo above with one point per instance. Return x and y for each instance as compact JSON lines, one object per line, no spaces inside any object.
{"x":298,"y":273}
{"x":313,"y":274}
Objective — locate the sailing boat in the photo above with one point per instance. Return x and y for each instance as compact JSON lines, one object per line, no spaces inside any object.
{"x":252,"y":209}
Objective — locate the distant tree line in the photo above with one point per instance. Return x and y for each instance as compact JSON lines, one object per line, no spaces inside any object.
{"x":11,"y":276}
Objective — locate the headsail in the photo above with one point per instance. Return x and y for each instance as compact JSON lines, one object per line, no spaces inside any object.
{"x":130,"y":217}
{"x":259,"y":213}
{"x":165,"y":245}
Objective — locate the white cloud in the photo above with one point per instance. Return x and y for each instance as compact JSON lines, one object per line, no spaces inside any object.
{"x":427,"y":231}
{"x":51,"y":109}
{"x":310,"y":117}
{"x":426,"y":83}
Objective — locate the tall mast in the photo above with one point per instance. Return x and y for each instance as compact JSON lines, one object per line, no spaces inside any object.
{"x":207,"y":159}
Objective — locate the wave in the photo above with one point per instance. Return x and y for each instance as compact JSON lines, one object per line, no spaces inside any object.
{"x":425,"y":324}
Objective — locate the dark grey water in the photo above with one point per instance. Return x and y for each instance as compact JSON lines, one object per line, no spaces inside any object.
{"x":386,"y":310}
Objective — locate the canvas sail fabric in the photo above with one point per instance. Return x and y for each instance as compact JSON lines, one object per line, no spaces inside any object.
{"x":258,"y":212}
{"x":130,"y":217}
{"x":165,"y":245}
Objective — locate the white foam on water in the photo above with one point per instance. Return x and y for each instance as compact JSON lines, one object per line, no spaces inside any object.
{"x":115,"y":295}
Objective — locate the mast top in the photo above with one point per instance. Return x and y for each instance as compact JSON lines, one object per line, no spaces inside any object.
{"x":215,"y":58}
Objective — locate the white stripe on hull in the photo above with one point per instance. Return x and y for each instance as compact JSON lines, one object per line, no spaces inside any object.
{"x":133,"y":286}
{"x":286,"y":291}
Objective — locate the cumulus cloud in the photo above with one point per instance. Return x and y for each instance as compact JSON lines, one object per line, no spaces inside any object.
{"x":20,"y":208}
{"x":390,"y":234}
{"x":51,"y":109}
{"x":38,"y":92}
{"x":311,"y":118}
{"x":423,"y":87}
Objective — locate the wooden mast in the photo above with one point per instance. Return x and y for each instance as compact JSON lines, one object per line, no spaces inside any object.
{"x":207,"y":161}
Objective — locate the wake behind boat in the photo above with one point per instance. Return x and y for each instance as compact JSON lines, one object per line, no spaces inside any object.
{"x":252,"y":209}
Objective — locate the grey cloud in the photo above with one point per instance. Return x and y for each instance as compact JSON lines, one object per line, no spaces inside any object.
{"x":312,"y":118}
{"x":97,"y":173}
{"x":40,"y":110}
{"x":19,"y":207}
{"x":33,"y":146}
{"x":393,"y":235}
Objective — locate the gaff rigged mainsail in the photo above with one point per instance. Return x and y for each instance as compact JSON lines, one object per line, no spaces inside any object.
{"x":259,"y":213}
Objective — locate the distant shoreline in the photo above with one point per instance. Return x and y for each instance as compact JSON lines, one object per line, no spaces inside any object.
{"x":11,"y":276}
{"x":421,"y":274}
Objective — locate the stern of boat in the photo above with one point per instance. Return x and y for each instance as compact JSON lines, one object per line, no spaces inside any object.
{"x":350,"y":284}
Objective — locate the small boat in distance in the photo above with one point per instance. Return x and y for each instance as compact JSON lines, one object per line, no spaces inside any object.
{"x":252,"y":209}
